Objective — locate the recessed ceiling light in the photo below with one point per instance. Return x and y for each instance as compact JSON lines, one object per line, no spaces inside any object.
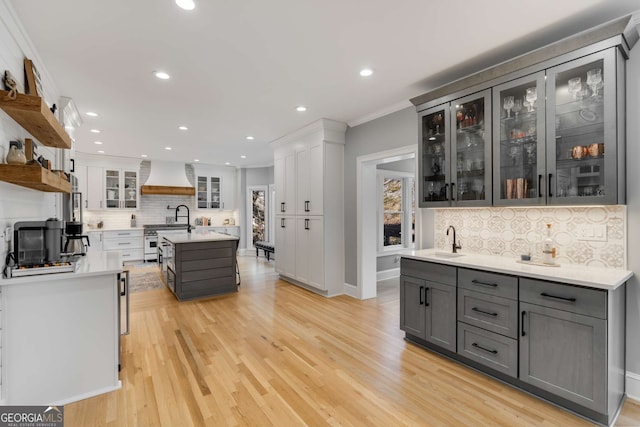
{"x":227,"y":163}
{"x":250,"y":138}
{"x":91,"y":114}
{"x":167,"y":148}
{"x":143,"y":155}
{"x":301,"y":108}
{"x":186,"y":4}
{"x":366,"y":72}
{"x":94,"y":131}
{"x":97,"y":142}
{"x":183,"y":127}
{"x":162,"y":75}
{"x":101,"y":151}
{"x":196,"y":160}
{"x":243,"y":157}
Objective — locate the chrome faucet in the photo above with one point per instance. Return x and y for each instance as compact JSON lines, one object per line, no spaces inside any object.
{"x":455,"y":246}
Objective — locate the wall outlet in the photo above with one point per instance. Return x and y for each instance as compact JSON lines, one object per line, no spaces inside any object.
{"x":592,"y":232}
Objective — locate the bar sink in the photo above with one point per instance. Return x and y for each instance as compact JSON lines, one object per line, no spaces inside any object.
{"x":448,"y":255}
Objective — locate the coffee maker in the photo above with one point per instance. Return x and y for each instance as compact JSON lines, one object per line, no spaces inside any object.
{"x":37,"y":242}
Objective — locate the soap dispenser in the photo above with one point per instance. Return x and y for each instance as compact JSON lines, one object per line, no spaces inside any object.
{"x":548,"y":249}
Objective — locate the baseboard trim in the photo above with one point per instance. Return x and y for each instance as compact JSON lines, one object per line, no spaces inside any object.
{"x":351,"y":290}
{"x":633,"y":386}
{"x":93,"y":393}
{"x":388,"y":274}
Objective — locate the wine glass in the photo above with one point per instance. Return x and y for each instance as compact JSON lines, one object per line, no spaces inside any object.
{"x":437,"y":121}
{"x":508,"y":104}
{"x":513,"y":153}
{"x":517,"y":107}
{"x":575,"y":86}
{"x":526,"y":104}
{"x":530,"y":155}
{"x":531,"y":97}
{"x":594,"y":77}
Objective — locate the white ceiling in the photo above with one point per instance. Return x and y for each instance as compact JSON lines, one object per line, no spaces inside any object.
{"x":241,"y":67}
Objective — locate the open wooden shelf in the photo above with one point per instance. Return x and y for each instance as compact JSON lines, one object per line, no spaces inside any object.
{"x":35,"y":177}
{"x":33,"y":114}
{"x":173,"y":191}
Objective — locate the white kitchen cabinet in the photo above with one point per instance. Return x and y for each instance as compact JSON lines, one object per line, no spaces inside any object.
{"x":120,"y":189}
{"x":285,"y":180}
{"x":215,"y":187}
{"x":95,"y":241}
{"x":286,"y":245}
{"x":90,"y":185}
{"x":130,"y":243}
{"x":309,"y":206}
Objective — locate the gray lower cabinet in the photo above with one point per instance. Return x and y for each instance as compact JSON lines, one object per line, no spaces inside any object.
{"x":428,"y":302}
{"x":565,"y":354}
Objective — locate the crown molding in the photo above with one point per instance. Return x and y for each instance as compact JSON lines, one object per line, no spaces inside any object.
{"x":380,"y":113}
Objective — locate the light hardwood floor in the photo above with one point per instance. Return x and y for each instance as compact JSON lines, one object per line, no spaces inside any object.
{"x":275,"y":354}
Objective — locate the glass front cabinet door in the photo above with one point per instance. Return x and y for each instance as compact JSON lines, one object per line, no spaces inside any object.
{"x":582,"y":130}
{"x":455,"y":153}
{"x":519,"y":142}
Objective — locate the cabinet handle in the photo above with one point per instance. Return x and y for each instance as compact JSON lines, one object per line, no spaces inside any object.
{"x":549,"y":189}
{"x":426,"y":297}
{"x":282,"y":223}
{"x":306,"y":206}
{"x":124,"y":243}
{"x":540,"y":186}
{"x":86,"y":204}
{"x":282,"y":207}
{"x":488,"y":313}
{"x":421,"y":295}
{"x":453,"y":190}
{"x":522,"y":323}
{"x":446,"y":191}
{"x":546,"y":295}
{"x":476,"y":345}
{"x":306,"y":224}
{"x":477,"y":282}
{"x":73,"y":165}
{"x":100,"y":203}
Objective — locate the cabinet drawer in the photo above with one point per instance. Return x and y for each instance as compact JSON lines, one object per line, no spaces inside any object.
{"x":121,"y":234}
{"x":124,"y":243}
{"x":487,"y":348}
{"x":499,"y":285}
{"x":131,"y":254}
{"x":493,"y":313}
{"x":574,"y":299}
{"x":427,"y":270}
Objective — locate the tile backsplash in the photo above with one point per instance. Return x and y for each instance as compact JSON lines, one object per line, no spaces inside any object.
{"x":510,"y":232}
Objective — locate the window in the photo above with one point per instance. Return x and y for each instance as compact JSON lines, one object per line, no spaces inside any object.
{"x":397,"y":217}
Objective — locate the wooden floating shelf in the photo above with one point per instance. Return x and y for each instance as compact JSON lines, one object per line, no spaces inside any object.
{"x":34,"y":177}
{"x":172,"y":191}
{"x":33,"y":114}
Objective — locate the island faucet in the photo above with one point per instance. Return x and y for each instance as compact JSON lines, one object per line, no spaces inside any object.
{"x":455,"y":246}
{"x":188,"y":219}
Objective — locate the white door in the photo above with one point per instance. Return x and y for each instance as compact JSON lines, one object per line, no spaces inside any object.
{"x":257,"y":215}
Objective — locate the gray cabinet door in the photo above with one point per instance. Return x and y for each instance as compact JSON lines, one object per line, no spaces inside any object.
{"x":565,"y":354}
{"x":412,"y":309}
{"x":440,"y":302}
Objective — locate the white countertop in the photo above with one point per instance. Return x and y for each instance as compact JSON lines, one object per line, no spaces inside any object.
{"x":92,"y":264}
{"x":600,"y":278}
{"x":196,"y":236}
{"x":87,"y":229}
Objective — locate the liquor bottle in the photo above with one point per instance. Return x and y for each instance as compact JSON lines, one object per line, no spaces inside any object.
{"x":548,"y":250}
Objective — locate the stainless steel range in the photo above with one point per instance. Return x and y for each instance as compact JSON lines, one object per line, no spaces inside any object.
{"x":151,"y":238}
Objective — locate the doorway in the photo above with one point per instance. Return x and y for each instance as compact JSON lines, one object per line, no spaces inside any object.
{"x":258,"y":215}
{"x":367,"y":213}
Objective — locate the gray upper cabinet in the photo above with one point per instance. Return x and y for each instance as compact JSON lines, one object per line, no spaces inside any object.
{"x":455,"y":152}
{"x":585,"y":130}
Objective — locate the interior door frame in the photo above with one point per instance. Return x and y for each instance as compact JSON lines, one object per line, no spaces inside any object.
{"x":249,"y":215}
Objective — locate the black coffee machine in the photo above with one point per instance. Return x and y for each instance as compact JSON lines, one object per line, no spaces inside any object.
{"x":76,"y":242}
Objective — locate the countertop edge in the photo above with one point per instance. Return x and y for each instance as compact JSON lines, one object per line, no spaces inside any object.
{"x":620,"y":276}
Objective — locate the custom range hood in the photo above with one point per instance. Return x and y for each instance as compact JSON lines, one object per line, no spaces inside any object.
{"x":167,"y":178}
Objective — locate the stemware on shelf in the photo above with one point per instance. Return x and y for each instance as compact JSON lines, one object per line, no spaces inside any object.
{"x":517,"y":107}
{"x":437,"y":121}
{"x":594,"y":78}
{"x":575,"y":86}
{"x":531,"y":97}
{"x":508,"y":104}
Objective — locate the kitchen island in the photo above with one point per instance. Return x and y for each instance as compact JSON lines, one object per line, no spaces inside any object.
{"x":200,"y":264}
{"x":61,"y":332}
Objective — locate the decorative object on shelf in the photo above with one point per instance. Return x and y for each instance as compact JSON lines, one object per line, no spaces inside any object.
{"x":574,"y":86}
{"x":578,"y":152}
{"x":508,"y":105}
{"x":133,"y":220}
{"x":437,"y":121}
{"x":596,"y":150}
{"x":10,"y":84}
{"x":32,"y":79}
{"x":16,"y":156}
{"x":44,"y":162}
{"x":30,"y":149}
{"x":531,"y":96}
{"x":587,"y":115}
{"x":517,"y":107}
{"x":53,"y":108}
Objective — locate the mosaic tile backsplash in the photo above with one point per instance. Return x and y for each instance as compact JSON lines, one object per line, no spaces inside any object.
{"x":510,"y":232}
